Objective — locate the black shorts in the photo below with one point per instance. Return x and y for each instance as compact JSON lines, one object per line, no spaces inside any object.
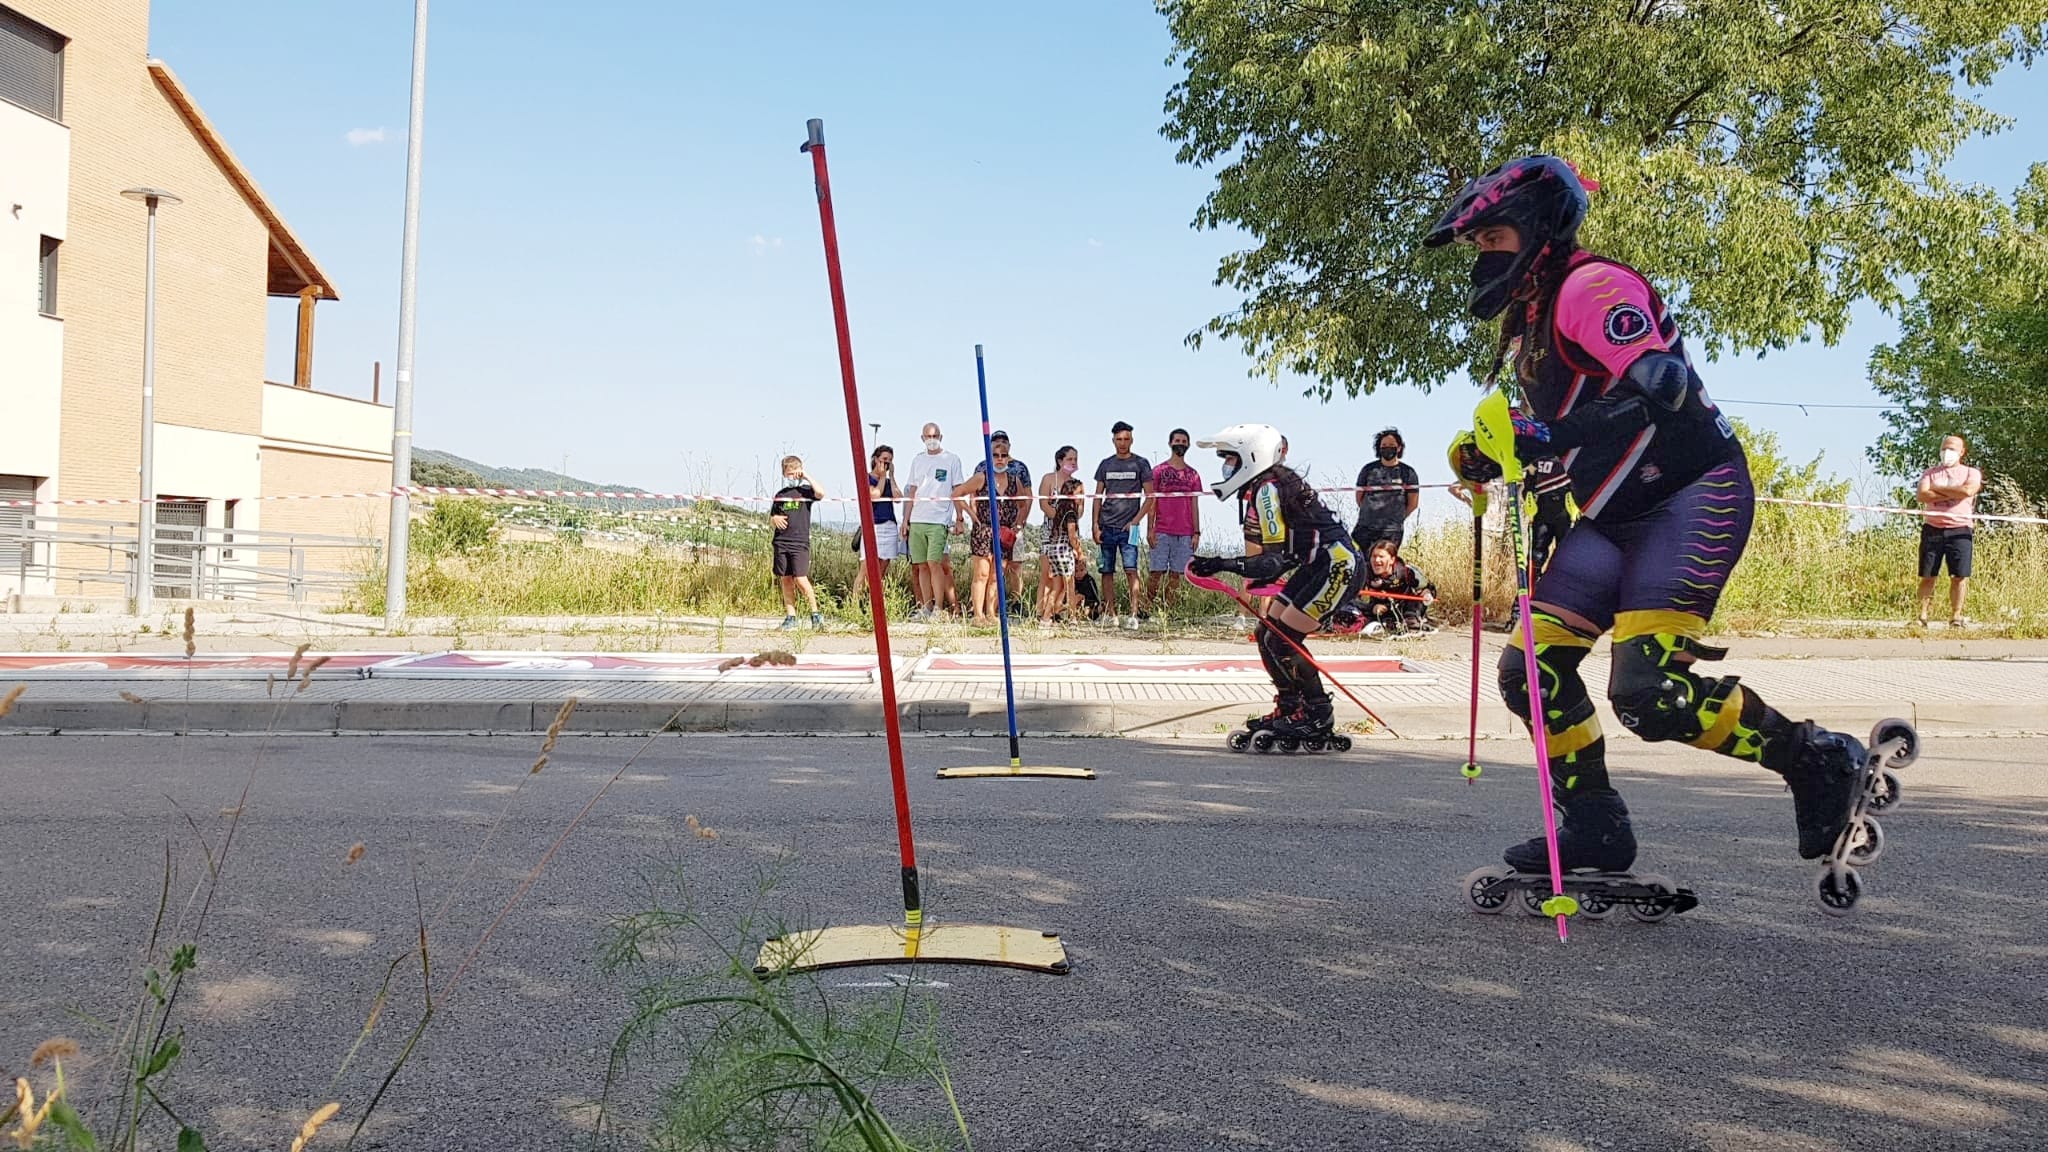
{"x":1326,"y":580}
{"x":1951,"y":544}
{"x":792,"y":561}
{"x":1367,"y":535}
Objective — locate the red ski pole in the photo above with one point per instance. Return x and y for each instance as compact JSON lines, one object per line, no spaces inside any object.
{"x":1243,"y":601}
{"x":913,"y":908}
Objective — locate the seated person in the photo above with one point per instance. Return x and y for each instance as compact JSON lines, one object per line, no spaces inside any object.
{"x":1396,"y":596}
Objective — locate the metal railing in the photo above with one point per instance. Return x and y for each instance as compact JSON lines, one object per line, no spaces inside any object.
{"x":56,"y":556}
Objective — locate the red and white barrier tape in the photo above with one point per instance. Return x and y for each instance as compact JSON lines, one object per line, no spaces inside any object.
{"x":723,"y":498}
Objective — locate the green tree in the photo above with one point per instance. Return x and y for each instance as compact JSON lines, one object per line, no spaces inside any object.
{"x":1972,"y":360}
{"x":1780,"y":479}
{"x":435,"y":474}
{"x":1766,"y":164}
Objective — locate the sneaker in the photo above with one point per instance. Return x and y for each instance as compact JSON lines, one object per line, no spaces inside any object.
{"x":1131,"y":623}
{"x":788,"y":623}
{"x":817,"y":621}
{"x":1144,"y":617}
{"x":1958,"y":622}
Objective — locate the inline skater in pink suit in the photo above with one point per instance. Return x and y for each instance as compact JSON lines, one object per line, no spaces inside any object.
{"x":1665,"y":505}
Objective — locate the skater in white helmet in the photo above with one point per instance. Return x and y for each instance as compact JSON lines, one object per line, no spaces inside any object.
{"x":1286,"y":530}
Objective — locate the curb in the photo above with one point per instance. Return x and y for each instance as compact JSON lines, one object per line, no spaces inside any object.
{"x":857,"y":717}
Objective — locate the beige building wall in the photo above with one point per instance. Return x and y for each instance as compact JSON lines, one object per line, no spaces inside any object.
{"x":217,"y":260}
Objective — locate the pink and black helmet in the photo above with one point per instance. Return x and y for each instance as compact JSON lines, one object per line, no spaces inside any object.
{"x":1541,"y":197}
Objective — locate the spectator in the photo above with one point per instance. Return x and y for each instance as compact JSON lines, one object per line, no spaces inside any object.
{"x":1013,"y":561}
{"x":1175,"y":531}
{"x":792,"y":545}
{"x":1396,"y":594}
{"x":996,"y":516}
{"x":1948,"y":493}
{"x":888,"y":535}
{"x":1065,"y":463}
{"x":1062,"y":545}
{"x":1388,"y":493}
{"x":1123,"y":496}
{"x":933,"y":513}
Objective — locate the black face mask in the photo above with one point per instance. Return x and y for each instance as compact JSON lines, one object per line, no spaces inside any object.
{"x":1490,"y":291}
{"x":1390,"y":454}
{"x":1178,"y":449}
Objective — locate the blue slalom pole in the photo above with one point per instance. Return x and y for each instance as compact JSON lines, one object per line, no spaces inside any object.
{"x":995,"y":519}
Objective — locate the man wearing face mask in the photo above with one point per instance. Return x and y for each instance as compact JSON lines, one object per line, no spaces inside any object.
{"x":1388,"y":493}
{"x":1175,"y":530}
{"x":932,"y":512}
{"x":1665,"y":507}
{"x":1948,"y":493}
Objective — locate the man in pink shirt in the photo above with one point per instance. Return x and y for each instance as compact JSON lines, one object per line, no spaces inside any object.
{"x":1175,"y":531}
{"x":1948,"y":493}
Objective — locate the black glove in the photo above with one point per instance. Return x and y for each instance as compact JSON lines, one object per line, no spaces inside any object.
{"x":1210,"y":565}
{"x":1552,"y":521}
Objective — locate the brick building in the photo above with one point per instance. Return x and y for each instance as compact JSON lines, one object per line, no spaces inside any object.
{"x":84,"y":114}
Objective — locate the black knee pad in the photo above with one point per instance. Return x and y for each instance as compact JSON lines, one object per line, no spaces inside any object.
{"x":1656,"y":695}
{"x":1564,"y":693}
{"x":1280,"y":651}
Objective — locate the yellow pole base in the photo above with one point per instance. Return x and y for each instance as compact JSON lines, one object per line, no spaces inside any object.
{"x":1015,"y":769}
{"x":852,"y":945}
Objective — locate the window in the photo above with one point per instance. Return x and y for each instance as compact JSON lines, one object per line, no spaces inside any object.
{"x":227,"y":527}
{"x":31,"y":65}
{"x":14,"y":518}
{"x":46,"y":293}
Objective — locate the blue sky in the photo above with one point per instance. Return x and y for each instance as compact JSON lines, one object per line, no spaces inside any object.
{"x":620,"y":260}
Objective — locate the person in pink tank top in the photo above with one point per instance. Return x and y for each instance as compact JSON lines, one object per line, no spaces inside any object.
{"x":1948,"y":494}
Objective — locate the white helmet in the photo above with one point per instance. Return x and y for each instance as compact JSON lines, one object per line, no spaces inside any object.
{"x":1257,"y":447}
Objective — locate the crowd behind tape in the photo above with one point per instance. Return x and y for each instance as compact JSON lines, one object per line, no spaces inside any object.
{"x":725,"y":498}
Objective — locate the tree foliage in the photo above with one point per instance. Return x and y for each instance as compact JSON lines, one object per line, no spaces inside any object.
{"x":436,"y":474}
{"x":1778,"y":478}
{"x":1767,"y":164}
{"x":1972,"y":360}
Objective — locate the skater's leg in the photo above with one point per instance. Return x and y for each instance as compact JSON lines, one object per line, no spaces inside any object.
{"x":1578,"y":749}
{"x":1678,"y":561}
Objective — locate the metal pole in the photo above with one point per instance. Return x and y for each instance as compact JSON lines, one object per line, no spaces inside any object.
{"x":401,"y":395}
{"x":146,"y":523}
{"x":995,"y":520}
{"x":885,"y":671}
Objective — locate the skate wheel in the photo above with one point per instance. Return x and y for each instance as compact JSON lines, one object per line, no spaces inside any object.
{"x":1314,"y":745}
{"x":1866,"y":842}
{"x":1239,"y":740}
{"x":1289,"y":744}
{"x":1908,"y":749}
{"x":1487,"y":890}
{"x":1532,"y":900}
{"x":1262,"y":741}
{"x":1340,"y":743}
{"x":1884,"y":790}
{"x":1838,"y":890}
{"x":1595,"y":905}
{"x":1654,"y":913}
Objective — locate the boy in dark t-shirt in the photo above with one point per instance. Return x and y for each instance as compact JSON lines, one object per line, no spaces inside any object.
{"x":791,"y":515}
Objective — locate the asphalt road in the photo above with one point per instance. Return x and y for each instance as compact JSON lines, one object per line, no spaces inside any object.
{"x":1267,"y":952}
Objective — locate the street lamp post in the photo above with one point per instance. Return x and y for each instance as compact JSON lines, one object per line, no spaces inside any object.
{"x":145,"y":552}
{"x":395,"y":554}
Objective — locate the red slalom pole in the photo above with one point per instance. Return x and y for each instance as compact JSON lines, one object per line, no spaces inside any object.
{"x":913,"y":908}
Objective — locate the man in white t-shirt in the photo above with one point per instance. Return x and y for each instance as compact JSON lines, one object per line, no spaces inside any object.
{"x":932,"y":513}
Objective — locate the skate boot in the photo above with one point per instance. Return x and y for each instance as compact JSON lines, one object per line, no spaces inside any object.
{"x":1311,"y":727}
{"x":1284,"y":704}
{"x":1594,"y":834}
{"x":1825,"y":779}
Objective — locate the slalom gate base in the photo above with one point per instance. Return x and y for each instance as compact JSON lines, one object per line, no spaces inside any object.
{"x":982,"y":771}
{"x":846,"y":947}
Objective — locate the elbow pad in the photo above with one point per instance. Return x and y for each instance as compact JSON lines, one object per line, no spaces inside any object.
{"x":1263,"y":567}
{"x":1663,"y":378}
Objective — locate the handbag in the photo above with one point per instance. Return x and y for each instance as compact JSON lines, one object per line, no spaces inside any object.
{"x":1009,"y":539}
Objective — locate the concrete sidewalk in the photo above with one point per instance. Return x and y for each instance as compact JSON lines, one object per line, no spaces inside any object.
{"x":1998,"y":696}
